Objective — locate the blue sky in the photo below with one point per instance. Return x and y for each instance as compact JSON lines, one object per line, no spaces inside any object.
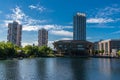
{"x":103,"y":18}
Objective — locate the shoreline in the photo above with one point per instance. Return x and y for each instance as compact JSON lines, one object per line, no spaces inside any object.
{"x":21,"y":58}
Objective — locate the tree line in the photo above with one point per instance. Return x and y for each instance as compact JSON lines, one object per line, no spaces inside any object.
{"x":9,"y":50}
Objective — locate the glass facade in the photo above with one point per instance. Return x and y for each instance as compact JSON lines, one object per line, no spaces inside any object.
{"x":79,"y":24}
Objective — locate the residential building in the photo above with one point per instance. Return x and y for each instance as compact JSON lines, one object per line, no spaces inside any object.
{"x":79,"y":27}
{"x":14,"y":33}
{"x":96,"y":46}
{"x":42,"y":37}
{"x":110,"y":46}
{"x":73,"y":47}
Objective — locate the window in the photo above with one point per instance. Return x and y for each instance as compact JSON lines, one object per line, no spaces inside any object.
{"x":60,"y":45}
{"x":81,"y":48}
{"x":79,"y":45}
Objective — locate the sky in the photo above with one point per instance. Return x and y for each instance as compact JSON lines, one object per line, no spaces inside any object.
{"x":103,"y":18}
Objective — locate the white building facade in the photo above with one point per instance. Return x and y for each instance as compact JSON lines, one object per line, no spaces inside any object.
{"x":109,"y":47}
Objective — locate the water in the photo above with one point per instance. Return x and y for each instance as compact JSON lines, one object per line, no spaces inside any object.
{"x":60,"y":69}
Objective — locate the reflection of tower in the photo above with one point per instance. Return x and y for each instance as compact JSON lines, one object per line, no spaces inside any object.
{"x":8,"y":73}
{"x":79,"y":26}
{"x":14,"y":33}
{"x":42,"y":37}
{"x":78,"y":69}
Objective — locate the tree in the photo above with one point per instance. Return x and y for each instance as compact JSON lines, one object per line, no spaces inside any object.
{"x":28,"y":50}
{"x":10,"y":49}
{"x":118,"y":53}
{"x":36,"y":51}
{"x":45,"y":51}
{"x":7,"y":50}
{"x":2,"y":52}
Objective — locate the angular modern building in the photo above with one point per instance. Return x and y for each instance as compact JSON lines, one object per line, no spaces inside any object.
{"x":73,"y":47}
{"x":42,"y":37}
{"x":14,"y":33}
{"x":79,"y":27}
{"x":78,"y":46}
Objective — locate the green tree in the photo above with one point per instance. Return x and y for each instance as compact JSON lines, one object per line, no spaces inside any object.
{"x":118,"y":53}
{"x":7,"y":50}
{"x":10,"y":50}
{"x":28,"y":50}
{"x":35,"y":51}
{"x":45,"y":51}
{"x":2,"y":50}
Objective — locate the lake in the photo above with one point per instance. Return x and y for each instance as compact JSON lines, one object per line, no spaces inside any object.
{"x":60,"y":69}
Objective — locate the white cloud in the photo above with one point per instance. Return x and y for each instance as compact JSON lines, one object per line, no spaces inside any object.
{"x":37,"y":7}
{"x":0,"y":12}
{"x":29,"y":43}
{"x":99,"y":20}
{"x":26,"y":43}
{"x":47,"y":27}
{"x":109,"y":11}
{"x":62,"y":33}
{"x":66,"y":39}
{"x":116,"y":32}
{"x":56,"y":27}
{"x":50,"y":44}
{"x":32,"y":7}
{"x":101,"y":26}
{"x":105,"y":15}
{"x":19,"y":16}
{"x":30,"y":28}
{"x":30,"y":24}
{"x":89,"y":38}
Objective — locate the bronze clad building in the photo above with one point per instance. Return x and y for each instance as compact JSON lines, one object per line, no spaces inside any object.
{"x":73,"y":47}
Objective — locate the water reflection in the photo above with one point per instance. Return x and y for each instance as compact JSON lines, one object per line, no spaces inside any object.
{"x":105,"y":66}
{"x":78,"y":69}
{"x":60,"y":69}
{"x":10,"y":70}
{"x":28,"y":69}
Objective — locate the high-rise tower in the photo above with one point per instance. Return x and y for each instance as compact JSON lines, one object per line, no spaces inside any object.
{"x":14,"y":33}
{"x":79,"y":27}
{"x":42,"y":37}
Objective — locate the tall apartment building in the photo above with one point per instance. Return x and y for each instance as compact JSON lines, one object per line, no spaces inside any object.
{"x":42,"y":37}
{"x":14,"y":33}
{"x":79,"y":27}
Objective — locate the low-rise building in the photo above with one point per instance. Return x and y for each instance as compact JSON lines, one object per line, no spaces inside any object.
{"x":109,"y":47}
{"x":73,"y":47}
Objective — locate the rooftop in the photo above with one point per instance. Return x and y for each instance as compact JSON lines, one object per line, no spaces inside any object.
{"x":81,"y":14}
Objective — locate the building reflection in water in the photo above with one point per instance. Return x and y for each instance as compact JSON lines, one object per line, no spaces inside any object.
{"x":11,"y":71}
{"x":55,"y":69}
{"x":28,"y":69}
{"x":78,"y":69}
{"x":60,"y":69}
{"x":105,"y":66}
